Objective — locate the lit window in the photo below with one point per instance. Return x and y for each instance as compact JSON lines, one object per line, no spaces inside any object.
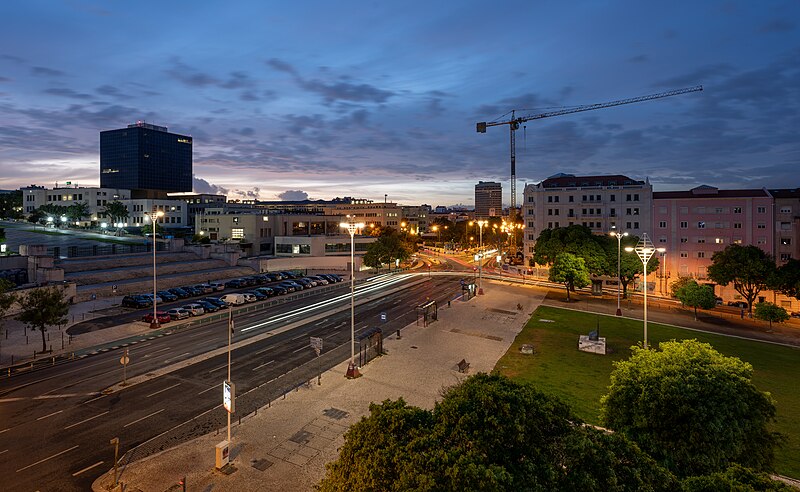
{"x":237,"y":233}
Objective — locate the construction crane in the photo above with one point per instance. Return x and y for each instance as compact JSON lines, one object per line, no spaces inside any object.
{"x":514,"y":122}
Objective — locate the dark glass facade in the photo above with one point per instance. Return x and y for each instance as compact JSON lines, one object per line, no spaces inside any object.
{"x":145,"y":157}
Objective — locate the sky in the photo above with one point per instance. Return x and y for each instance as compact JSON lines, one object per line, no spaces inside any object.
{"x":319,"y":99}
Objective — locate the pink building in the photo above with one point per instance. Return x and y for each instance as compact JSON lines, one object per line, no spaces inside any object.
{"x":693,"y":225}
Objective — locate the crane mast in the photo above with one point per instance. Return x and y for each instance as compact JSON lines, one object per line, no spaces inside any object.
{"x":514,"y":122}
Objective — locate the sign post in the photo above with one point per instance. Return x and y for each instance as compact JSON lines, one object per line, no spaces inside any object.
{"x":115,"y":443}
{"x":222,"y":453}
{"x":316,"y":344}
{"x":124,"y":360}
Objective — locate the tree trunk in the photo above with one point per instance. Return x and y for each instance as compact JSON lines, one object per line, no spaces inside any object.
{"x":567,"y":285}
{"x":44,"y":342}
{"x":695,"y":313}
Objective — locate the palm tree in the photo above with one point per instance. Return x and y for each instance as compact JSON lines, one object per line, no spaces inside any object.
{"x":117,"y":211}
{"x":78,"y":211}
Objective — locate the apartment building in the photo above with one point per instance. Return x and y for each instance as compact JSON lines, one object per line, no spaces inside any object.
{"x":787,"y":224}
{"x":380,"y":214}
{"x":601,"y":203}
{"x":488,"y":199}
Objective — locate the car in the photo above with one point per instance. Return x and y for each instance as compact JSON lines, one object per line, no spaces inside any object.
{"x":260,"y":296}
{"x":332,"y":276}
{"x":262,"y":279}
{"x":288,"y":287}
{"x":289,"y":275}
{"x":207,"y":306}
{"x":278,"y":290}
{"x":182,"y":294}
{"x":738,"y":304}
{"x":136,"y":301}
{"x":718,"y":300}
{"x":275,"y":277}
{"x":297,"y":285}
{"x":267,"y":291}
{"x":157,"y":298}
{"x":306,"y":283}
{"x":234,"y":284}
{"x":291,"y":285}
{"x":191,"y":290}
{"x":194,"y":309}
{"x":218,"y":286}
{"x":178,"y":313}
{"x":248,"y":281}
{"x":167,"y":295}
{"x":216,"y":301}
{"x":233,"y":299}
{"x":204,"y":288}
{"x":320,"y":280}
{"x":248,"y":297}
{"x":162,"y":317}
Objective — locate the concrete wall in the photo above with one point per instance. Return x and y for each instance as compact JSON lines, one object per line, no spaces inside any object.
{"x":328,"y":263}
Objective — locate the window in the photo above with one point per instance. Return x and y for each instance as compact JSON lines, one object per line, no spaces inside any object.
{"x":549,"y":199}
{"x":662,"y":224}
{"x":530,"y":199}
{"x":761,"y":210}
{"x":684,"y":225}
{"x":571,"y":213}
{"x":700,"y":210}
{"x":628,"y":197}
{"x":237,"y":233}
{"x":628,"y":225}
{"x":737,"y":210}
{"x":635,"y":225}
{"x":556,"y":212}
{"x":549,"y":225}
{"x":761,"y":225}
{"x":531,"y":223}
{"x":786,"y":210}
{"x":684,"y":254}
{"x":737,"y":225}
{"x":761,"y":240}
{"x":549,"y":211}
{"x":786,"y":241}
{"x":701,"y":254}
{"x":598,"y":198}
{"x":737,"y":240}
{"x":613,"y":212}
{"x":613,"y":198}
{"x":583,"y":198}
{"x":662,"y":239}
{"x":555,"y":199}
{"x":786,"y":256}
{"x":532,"y":237}
{"x":571,"y":199}
{"x":719,"y":240}
{"x":684,"y":239}
{"x":785,"y":226}
{"x":701,"y":225}
{"x":701,"y":240}
{"x":718,"y":210}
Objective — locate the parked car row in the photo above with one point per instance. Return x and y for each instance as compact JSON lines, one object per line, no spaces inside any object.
{"x":287,"y":283}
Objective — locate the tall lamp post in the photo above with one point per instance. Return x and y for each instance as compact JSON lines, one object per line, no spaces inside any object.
{"x":619,"y":236}
{"x":481,"y":223}
{"x":154,"y":220}
{"x":352,"y":226}
{"x":645,"y":250}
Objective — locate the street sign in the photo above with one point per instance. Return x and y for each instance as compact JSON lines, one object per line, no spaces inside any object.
{"x":114,"y":288}
{"x":124,"y":360}
{"x":316,"y":344}
{"x":229,"y":396}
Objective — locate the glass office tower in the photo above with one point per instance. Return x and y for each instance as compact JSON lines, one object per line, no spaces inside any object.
{"x":145,"y":157}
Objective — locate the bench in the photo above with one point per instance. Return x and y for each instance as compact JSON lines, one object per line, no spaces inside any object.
{"x":463,"y":366}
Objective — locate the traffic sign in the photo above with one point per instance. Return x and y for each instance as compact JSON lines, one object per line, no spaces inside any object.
{"x":316,"y":344}
{"x":114,"y":288}
{"x":229,"y":396}
{"x":124,"y":360}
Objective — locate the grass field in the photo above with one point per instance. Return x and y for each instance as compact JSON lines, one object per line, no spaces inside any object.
{"x":580,"y":379}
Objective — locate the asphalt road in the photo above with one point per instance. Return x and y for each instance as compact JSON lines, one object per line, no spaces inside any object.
{"x":56,"y":425}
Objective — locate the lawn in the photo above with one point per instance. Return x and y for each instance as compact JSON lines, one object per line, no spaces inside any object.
{"x":580,"y":379}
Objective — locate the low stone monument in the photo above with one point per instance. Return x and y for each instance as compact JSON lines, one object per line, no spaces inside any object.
{"x":592,"y":343}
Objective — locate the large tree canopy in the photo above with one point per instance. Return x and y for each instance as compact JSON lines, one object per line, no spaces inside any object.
{"x":691,"y":408}
{"x":575,"y":239}
{"x":787,"y":279}
{"x":488,"y":433}
{"x":749,"y":268}
{"x":390,"y":246}
{"x":696,"y":296}
{"x":767,"y":311}
{"x":569,"y":270}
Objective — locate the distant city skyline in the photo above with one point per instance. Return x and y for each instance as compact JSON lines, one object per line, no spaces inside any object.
{"x":366,"y":100}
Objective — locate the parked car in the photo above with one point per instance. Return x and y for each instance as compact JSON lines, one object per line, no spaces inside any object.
{"x":297,"y":286}
{"x":288,"y":287}
{"x":267,"y":291}
{"x":217,"y":286}
{"x":178,"y":313}
{"x":289,"y":275}
{"x":192,"y":290}
{"x":260,"y":296}
{"x":167,"y":295}
{"x":332,"y":276}
{"x":204,"y":288}
{"x":216,"y":301}
{"x":738,"y":304}
{"x":320,"y":280}
{"x":233,"y":299}
{"x":275,"y":277}
{"x":718,"y":300}
{"x":194,"y":309}
{"x":248,"y":297}
{"x":234,"y":284}
{"x":162,"y":317}
{"x":207,"y":306}
{"x":136,"y":301}
{"x":279,"y":290}
{"x":306,"y":283}
{"x":157,"y":298}
{"x":262,"y":279}
{"x":182,"y":294}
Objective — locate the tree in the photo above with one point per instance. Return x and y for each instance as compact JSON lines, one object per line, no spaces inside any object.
{"x":787,"y":279}
{"x":679,"y":283}
{"x":36,"y":216}
{"x":631,"y":266}
{"x":77,"y":211}
{"x":7,"y":299}
{"x":117,"y":211}
{"x":696,"y":296}
{"x":748,"y":267}
{"x":579,"y":241}
{"x":735,"y":478}
{"x":147,"y":229}
{"x":692,"y":409}
{"x":42,"y":308}
{"x":569,"y":270}
{"x":11,"y":205}
{"x":388,"y":247}
{"x":768,"y":311}
{"x":488,"y":433}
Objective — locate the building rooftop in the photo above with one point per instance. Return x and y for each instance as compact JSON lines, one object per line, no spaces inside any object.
{"x":568,"y":180}
{"x":705,"y":191}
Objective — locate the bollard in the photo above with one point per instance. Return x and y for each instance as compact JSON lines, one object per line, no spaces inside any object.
{"x":54,"y":360}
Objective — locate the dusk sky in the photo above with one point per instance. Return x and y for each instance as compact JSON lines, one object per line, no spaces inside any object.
{"x":323,"y":99}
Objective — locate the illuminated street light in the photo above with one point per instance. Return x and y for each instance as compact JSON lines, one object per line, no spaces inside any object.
{"x":619,"y":236}
{"x":645,"y":250}
{"x":154,"y":220}
{"x":352,"y":226}
{"x":481,"y":224}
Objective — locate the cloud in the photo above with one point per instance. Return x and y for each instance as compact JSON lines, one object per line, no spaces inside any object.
{"x":12,"y":58}
{"x":702,"y":75}
{"x":65,"y":92}
{"x":777,"y":25}
{"x":200,"y":185}
{"x":293,"y":196}
{"x":281,"y":66}
{"x":46,"y":72}
{"x":638,"y":59}
{"x":4,"y":79}
{"x":110,"y":90}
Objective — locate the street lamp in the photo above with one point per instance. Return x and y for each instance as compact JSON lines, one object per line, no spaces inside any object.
{"x":154,"y":220}
{"x":481,"y":223}
{"x":619,"y":236}
{"x":439,"y":231}
{"x":352,"y":226}
{"x":645,"y":249}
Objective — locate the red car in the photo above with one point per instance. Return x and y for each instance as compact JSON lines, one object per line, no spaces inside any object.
{"x":163,"y":317}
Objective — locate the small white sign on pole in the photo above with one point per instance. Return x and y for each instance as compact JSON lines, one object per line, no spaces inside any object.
{"x":316,"y":344}
{"x":229,"y":396}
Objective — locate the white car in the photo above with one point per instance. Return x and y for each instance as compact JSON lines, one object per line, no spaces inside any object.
{"x":178,"y":313}
{"x":194,"y":309}
{"x":248,"y":297}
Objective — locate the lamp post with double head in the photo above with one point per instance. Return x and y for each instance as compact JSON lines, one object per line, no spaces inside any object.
{"x":645,"y":250}
{"x":153,"y":216}
{"x":619,"y":236}
{"x":481,"y":224}
{"x":352,"y":226}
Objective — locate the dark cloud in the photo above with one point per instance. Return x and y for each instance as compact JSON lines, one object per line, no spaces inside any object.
{"x":702,"y":75}
{"x":778,"y":25}
{"x":65,"y":92}
{"x":200,"y":185}
{"x":293,"y":196}
{"x":281,"y":66}
{"x":110,"y":90}
{"x":248,"y":96}
{"x":189,"y":76}
{"x":4,"y":79}
{"x":237,"y":80}
{"x":638,"y":59}
{"x":12,"y":58}
{"x":46,"y":72}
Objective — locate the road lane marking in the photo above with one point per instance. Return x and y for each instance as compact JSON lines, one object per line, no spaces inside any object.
{"x":216,"y":386}
{"x":48,"y":458}
{"x":146,"y":416}
{"x":196,"y":335}
{"x":299,"y":337}
{"x":3,"y":451}
{"x":93,"y":399}
{"x":264,"y":364}
{"x":321,"y":322}
{"x":49,"y":415}
{"x":86,"y":420}
{"x":266,"y":349}
{"x":176,"y":357}
{"x":331,"y":335}
{"x":217,"y":368}
{"x":160,"y":350}
{"x":87,"y":468}
{"x":162,"y":390}
{"x":301,"y":348}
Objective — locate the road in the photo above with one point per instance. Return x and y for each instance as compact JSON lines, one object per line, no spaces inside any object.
{"x":56,"y":424}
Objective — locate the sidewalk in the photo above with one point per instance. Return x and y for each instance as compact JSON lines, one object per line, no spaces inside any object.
{"x":285,"y":446}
